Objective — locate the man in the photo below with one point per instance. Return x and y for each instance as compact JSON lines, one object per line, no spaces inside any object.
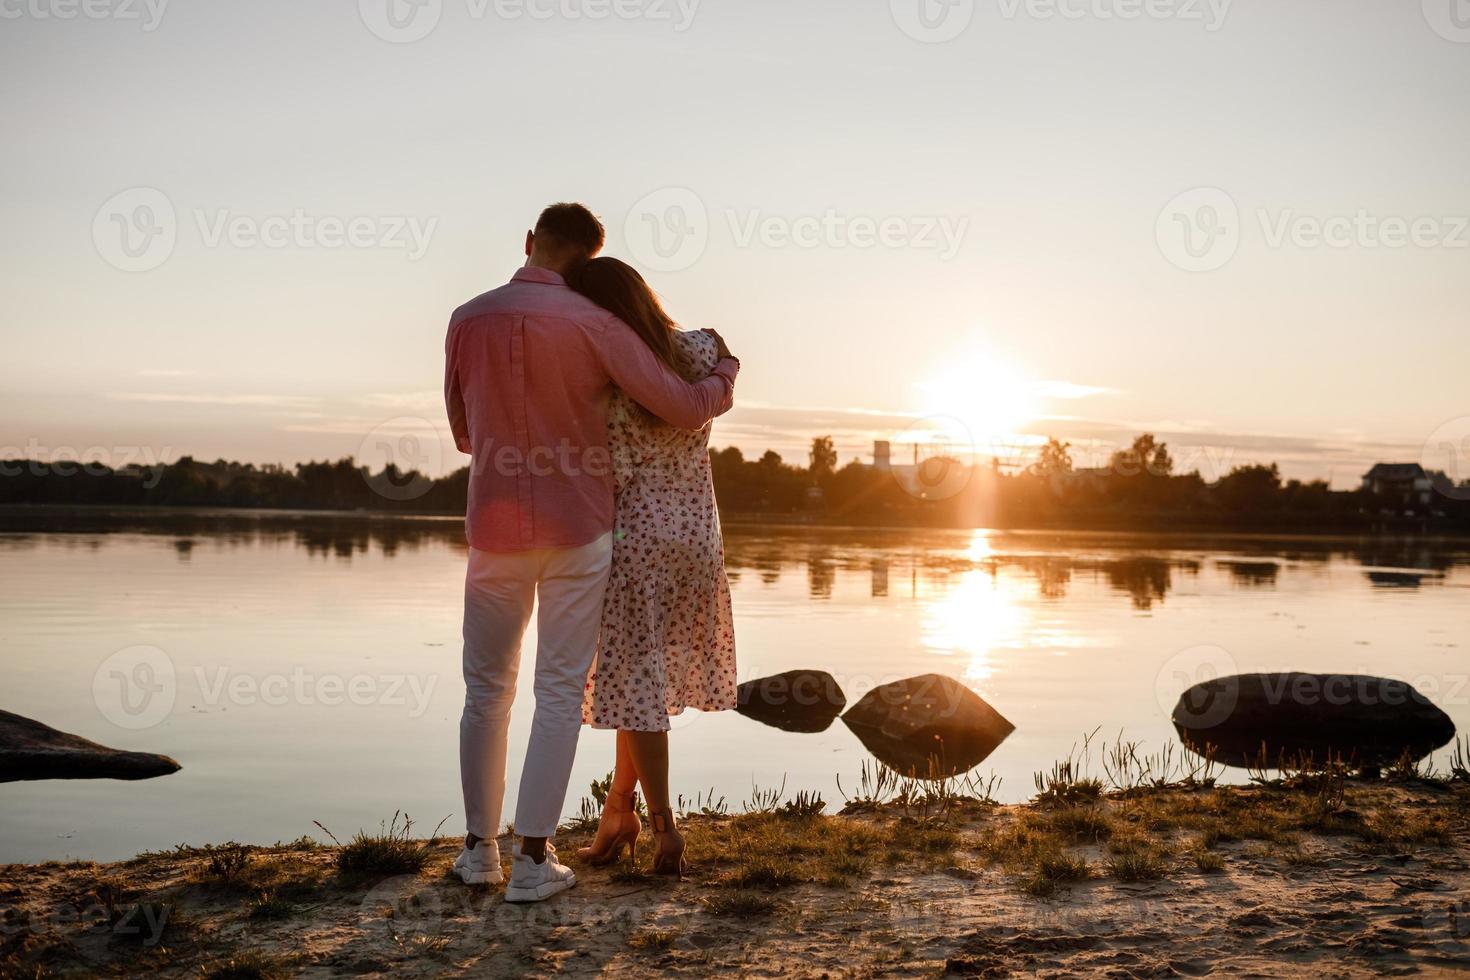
{"x":529,"y":369}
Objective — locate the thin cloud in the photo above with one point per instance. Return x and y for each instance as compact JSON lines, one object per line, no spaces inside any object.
{"x":171,"y":398}
{"x":1069,"y":390}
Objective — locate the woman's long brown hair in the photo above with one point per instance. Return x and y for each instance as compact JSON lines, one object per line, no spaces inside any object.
{"x":617,"y":287}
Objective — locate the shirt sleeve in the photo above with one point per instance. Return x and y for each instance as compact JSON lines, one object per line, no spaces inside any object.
{"x":649,"y":382}
{"x":453,"y":397}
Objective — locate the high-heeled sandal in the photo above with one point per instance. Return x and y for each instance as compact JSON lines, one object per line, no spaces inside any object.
{"x":623,"y":806}
{"x":670,"y":861}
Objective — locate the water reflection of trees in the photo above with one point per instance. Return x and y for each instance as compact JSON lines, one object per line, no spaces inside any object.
{"x":1053,"y":576}
{"x":896,"y":563}
{"x":879,"y":587}
{"x":341,"y":536}
{"x":1146,"y":580}
{"x":820,"y":576}
{"x":904,"y":564}
{"x":1252,"y":574}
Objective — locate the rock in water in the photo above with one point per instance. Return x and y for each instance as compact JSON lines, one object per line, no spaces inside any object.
{"x":31,"y":750}
{"x":929,"y":726}
{"x":794,"y":701}
{"x":1367,"y":721}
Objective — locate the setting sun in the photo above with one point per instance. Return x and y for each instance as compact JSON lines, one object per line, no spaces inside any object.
{"x":988,"y":397}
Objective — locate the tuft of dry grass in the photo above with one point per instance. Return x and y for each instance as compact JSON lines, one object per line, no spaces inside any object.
{"x":1208,"y":862}
{"x":764,"y":872}
{"x":844,"y":868}
{"x":251,"y":965}
{"x":226,"y":862}
{"x":740,"y":904}
{"x":270,"y":907}
{"x":1389,"y":830}
{"x":1085,"y":824}
{"x":1052,"y":869}
{"x":653,"y":939}
{"x":392,"y":851}
{"x":1033,"y":847}
{"x":1137,"y":864}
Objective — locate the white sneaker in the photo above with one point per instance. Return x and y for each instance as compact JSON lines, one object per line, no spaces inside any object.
{"x":480,"y":866}
{"x":532,"y":882}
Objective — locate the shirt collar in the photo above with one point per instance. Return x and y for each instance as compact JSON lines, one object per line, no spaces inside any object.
{"x":534,"y":274}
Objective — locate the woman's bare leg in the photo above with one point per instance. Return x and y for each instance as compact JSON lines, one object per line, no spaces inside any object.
{"x":651,"y":758}
{"x":625,"y":773}
{"x":649,"y":754}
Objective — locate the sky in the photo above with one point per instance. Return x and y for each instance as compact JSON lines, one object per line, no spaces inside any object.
{"x":238,"y":230}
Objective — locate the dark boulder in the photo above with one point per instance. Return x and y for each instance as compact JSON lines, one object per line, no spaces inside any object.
{"x":1247,"y":719}
{"x":929,"y":726}
{"x":793,"y":701}
{"x":31,"y":750}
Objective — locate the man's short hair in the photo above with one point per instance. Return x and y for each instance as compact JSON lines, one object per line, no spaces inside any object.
{"x":571,"y":227}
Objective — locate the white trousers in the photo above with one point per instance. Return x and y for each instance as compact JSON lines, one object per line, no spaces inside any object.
{"x":500,"y":591}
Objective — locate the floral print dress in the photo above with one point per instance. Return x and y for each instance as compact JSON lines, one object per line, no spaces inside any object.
{"x":667,"y":640}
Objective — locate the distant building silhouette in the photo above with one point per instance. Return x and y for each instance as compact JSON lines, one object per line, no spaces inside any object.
{"x":906,"y":476}
{"x":1403,"y":486}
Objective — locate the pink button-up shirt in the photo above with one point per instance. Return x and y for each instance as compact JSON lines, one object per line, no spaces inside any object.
{"x":529,"y":368}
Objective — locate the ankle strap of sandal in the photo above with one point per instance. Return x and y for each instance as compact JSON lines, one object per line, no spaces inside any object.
{"x":625,"y":801}
{"x":662,"y":820}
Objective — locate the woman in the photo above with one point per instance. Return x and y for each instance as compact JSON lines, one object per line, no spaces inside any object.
{"x":667,"y":642}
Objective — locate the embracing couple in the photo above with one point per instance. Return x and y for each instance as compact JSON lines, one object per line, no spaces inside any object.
{"x":586,"y":411}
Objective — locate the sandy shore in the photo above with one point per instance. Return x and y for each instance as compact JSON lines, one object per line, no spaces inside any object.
{"x":1366,"y":880}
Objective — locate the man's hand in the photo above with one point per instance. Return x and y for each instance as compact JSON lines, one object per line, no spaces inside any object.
{"x":724,"y":349}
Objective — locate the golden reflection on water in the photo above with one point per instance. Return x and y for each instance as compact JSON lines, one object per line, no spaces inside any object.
{"x":971,"y":615}
{"x":982,"y":546}
{"x":977,"y":613}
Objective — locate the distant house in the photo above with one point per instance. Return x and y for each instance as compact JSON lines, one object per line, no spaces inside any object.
{"x":1404,"y":486}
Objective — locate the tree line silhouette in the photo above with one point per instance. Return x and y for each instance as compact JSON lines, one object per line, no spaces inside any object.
{"x":1137,"y":490}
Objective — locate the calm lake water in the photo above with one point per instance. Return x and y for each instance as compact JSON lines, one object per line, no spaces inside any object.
{"x":307,"y":668}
